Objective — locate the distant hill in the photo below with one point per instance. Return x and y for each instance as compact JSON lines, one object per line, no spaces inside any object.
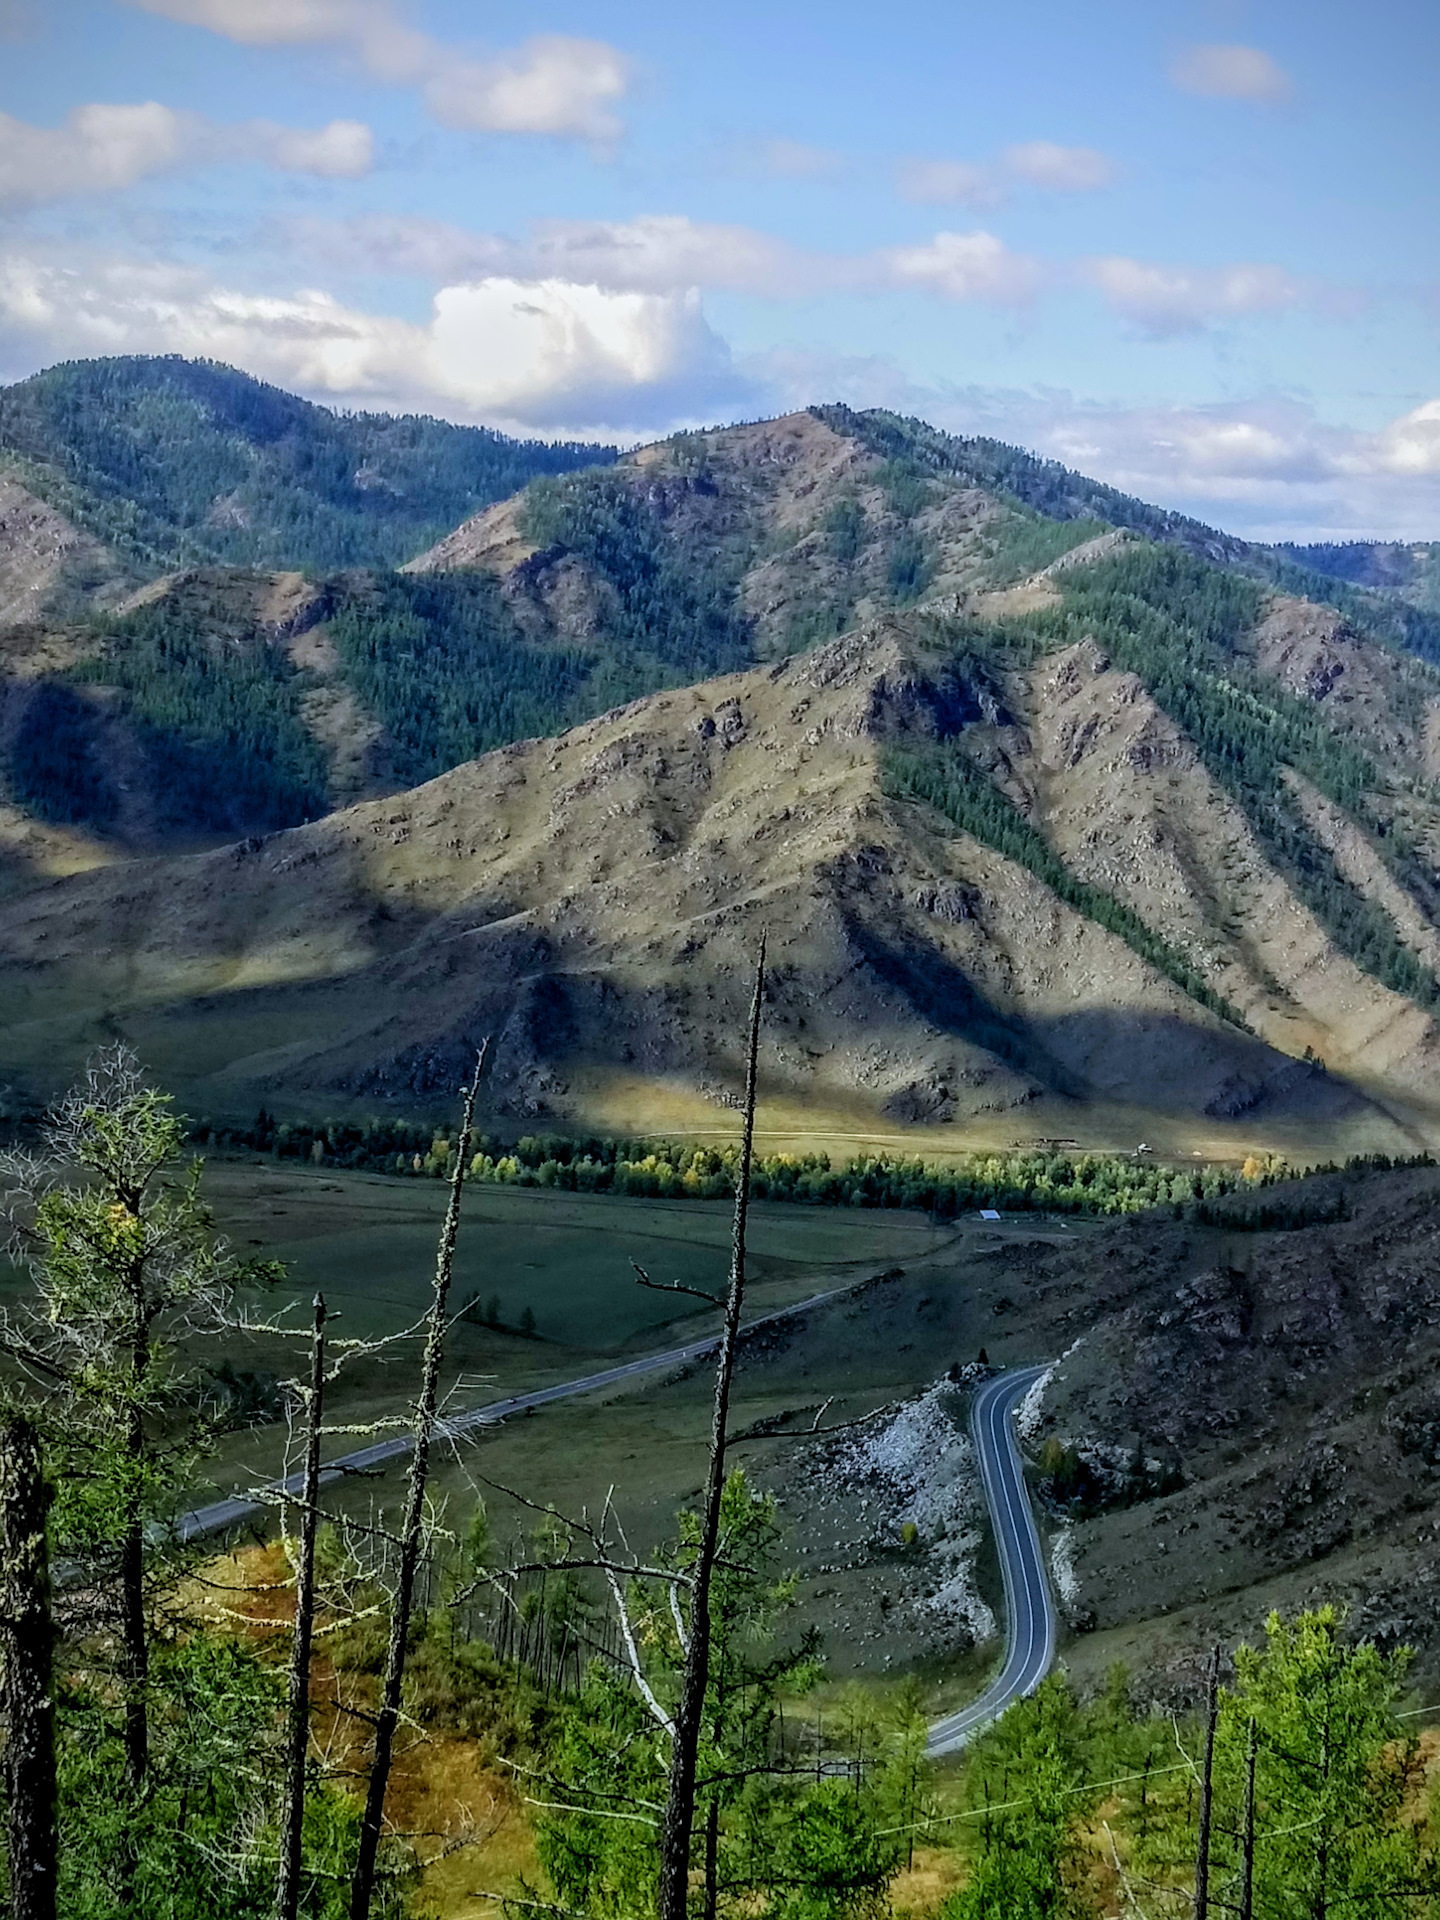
{"x":171,"y":462}
{"x":1409,"y":569}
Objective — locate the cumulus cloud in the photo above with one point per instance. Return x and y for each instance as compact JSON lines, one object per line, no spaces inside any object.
{"x":1231,"y":73}
{"x":1411,"y":444}
{"x":553,"y":84}
{"x":1035,"y":163}
{"x":968,"y":266}
{"x":100,"y":148}
{"x":1166,"y":300}
{"x":344,"y":150}
{"x":528,"y":356}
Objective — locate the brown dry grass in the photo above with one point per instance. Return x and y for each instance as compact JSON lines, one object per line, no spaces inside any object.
{"x":463,"y":1814}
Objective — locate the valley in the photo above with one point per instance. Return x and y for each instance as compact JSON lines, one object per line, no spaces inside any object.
{"x":331,"y":749}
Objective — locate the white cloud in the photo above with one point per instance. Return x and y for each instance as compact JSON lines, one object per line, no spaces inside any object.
{"x":262,"y":23}
{"x":1411,"y":444}
{"x":550,"y":85}
{"x":345,"y":150}
{"x":553,"y":84}
{"x":662,"y":253}
{"x":671,"y":254}
{"x":532,"y":353}
{"x":97,"y":149}
{"x":654,"y":253}
{"x":968,"y":266}
{"x":551,"y":352}
{"x":1231,"y":73}
{"x":101,"y":148}
{"x":1035,"y":163}
{"x":529,"y":356}
{"x":1061,"y":169}
{"x":1165,"y":300}
{"x":1267,"y":468}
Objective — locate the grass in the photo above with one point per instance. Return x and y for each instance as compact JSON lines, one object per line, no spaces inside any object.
{"x":369,"y":1243}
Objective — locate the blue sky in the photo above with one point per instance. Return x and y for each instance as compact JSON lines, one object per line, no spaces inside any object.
{"x":1190,"y":249}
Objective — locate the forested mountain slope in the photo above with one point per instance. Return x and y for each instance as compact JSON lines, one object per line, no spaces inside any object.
{"x":1409,"y":568}
{"x":1164,"y":825}
{"x":219,"y":700}
{"x":166,"y":462}
{"x":1004,"y":890}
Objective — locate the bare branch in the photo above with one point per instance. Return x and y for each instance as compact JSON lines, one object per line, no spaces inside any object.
{"x":674,"y":1286}
{"x":764,"y":1430}
{"x":647,"y":1692}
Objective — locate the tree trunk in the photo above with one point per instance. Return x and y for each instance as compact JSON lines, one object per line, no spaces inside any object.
{"x":363,"y":1886}
{"x":292,"y":1822}
{"x":134,"y":1639}
{"x":134,"y":1642}
{"x":1202,"y":1844}
{"x":1247,"y":1858}
{"x":679,"y":1816}
{"x":26,"y":1664}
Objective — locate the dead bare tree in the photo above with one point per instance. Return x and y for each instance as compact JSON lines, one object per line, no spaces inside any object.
{"x":297,"y":1729}
{"x":26,"y":1672}
{"x":1207,"y":1781}
{"x":678,"y":1822}
{"x":412,"y":1527}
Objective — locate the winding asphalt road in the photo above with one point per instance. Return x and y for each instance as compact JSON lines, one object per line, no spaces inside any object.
{"x":1029,"y":1608}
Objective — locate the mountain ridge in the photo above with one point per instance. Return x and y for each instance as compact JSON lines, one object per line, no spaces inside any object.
{"x":1080,"y":758}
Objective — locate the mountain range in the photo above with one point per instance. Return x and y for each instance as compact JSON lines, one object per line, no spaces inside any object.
{"x":1066,"y":816}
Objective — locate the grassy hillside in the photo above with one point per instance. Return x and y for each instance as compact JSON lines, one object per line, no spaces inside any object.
{"x":172,"y":461}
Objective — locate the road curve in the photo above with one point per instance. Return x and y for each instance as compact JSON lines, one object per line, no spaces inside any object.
{"x":1029,"y":1607}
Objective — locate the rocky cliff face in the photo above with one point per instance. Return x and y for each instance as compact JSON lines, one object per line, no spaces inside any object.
{"x":1287,"y":1383}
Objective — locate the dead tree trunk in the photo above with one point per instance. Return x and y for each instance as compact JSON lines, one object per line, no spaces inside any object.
{"x":292,"y":1822}
{"x":679,"y":1818}
{"x":26,"y":1667}
{"x":1202,"y":1842}
{"x":363,"y":1886}
{"x":1247,"y":1857}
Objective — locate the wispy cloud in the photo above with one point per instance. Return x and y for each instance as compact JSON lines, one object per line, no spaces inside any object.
{"x":980,"y":184}
{"x":1167,"y":300}
{"x":670,"y":253}
{"x":968,"y":266}
{"x":553,"y":84}
{"x":1231,"y":73}
{"x":100,"y":148}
